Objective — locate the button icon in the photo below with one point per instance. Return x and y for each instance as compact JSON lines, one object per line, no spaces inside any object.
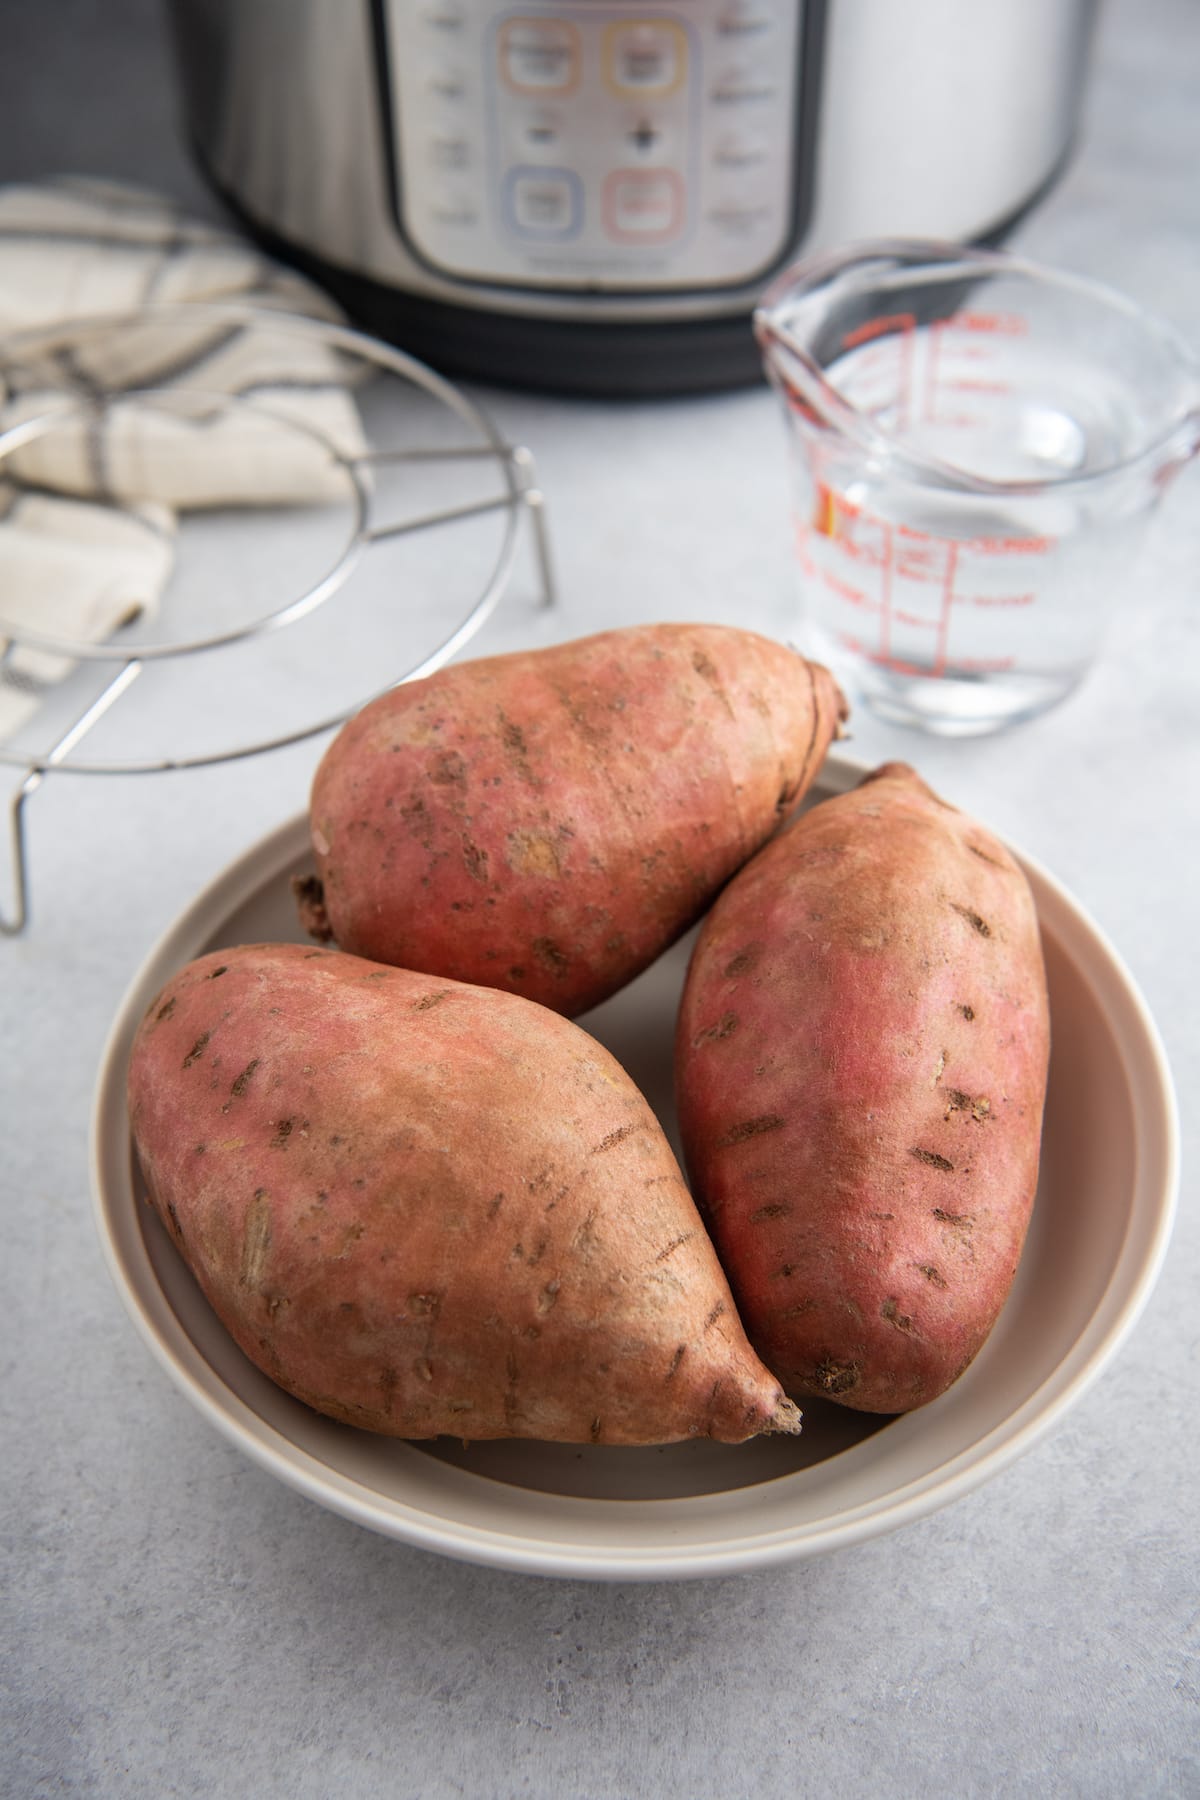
{"x":444,"y":15}
{"x":648,"y":58}
{"x":540,"y":135}
{"x":644,"y":206}
{"x":737,"y":219}
{"x":740,"y":150}
{"x":743,"y":18}
{"x":539,"y":56}
{"x":646,"y":140}
{"x":740,"y":86}
{"x":454,"y":208}
{"x":543,"y":203}
{"x":449,"y":151}
{"x":445,"y":82}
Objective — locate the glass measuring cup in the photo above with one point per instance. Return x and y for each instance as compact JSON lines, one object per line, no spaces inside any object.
{"x":977,"y":445}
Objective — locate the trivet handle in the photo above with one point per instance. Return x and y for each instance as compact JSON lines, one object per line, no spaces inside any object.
{"x":534,"y":500}
{"x":12,"y":924}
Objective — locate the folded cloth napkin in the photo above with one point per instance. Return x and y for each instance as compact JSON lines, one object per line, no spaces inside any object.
{"x":75,"y":570}
{"x":243,"y":410}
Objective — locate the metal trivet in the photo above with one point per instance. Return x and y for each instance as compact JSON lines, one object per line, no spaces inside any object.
{"x":519,"y":498}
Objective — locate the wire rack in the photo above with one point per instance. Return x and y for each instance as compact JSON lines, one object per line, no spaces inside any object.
{"x":120,"y":666}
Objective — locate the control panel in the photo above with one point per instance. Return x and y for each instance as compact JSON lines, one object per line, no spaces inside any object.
{"x":592,"y":146}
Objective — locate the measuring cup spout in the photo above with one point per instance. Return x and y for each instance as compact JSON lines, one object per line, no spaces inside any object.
{"x":804,"y":389}
{"x":774,"y":340}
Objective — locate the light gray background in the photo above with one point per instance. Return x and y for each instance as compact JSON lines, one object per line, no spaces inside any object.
{"x":174,"y":1622}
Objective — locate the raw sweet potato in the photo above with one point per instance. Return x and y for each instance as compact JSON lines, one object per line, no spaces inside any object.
{"x":861,"y":1067}
{"x":548,"y":822}
{"x":426,"y":1208}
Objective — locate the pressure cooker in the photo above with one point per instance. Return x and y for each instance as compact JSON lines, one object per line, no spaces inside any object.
{"x":589,"y":195}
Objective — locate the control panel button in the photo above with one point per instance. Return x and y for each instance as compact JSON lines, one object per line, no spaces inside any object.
{"x":738,"y":219}
{"x":444,"y":15}
{"x":449,"y":150}
{"x":740,"y":86}
{"x":539,"y":136}
{"x":647,"y":58}
{"x":544,"y":203}
{"x":745,"y":18}
{"x":445,"y":81}
{"x":645,"y":206}
{"x":539,"y":56}
{"x":647,"y":140}
{"x":454,"y":208}
{"x":737,"y":150}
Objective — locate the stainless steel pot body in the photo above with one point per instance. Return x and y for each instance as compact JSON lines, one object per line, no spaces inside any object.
{"x":588,"y":194}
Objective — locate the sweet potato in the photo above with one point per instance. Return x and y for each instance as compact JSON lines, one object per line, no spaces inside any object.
{"x":861,"y":1066}
{"x":548,"y":822}
{"x":427,"y":1208}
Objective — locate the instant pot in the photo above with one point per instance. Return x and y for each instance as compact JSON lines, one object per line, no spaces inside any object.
{"x":591,"y":196}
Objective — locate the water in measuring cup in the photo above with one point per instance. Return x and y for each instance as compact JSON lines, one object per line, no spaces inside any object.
{"x":958,"y":611}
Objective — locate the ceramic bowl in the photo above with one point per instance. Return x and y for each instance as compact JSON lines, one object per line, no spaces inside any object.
{"x":1098,"y":1235}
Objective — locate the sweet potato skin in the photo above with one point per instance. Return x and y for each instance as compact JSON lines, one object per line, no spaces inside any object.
{"x":426,"y":1208}
{"x":548,"y":822}
{"x":861,"y":1065}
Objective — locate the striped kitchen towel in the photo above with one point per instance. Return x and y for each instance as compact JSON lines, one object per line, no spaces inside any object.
{"x":188,"y":395}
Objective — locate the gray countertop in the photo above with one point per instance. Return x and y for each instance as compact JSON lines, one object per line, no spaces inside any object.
{"x":175,"y":1622}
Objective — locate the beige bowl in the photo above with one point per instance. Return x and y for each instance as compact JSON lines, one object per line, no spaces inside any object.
{"x":1096,"y":1243}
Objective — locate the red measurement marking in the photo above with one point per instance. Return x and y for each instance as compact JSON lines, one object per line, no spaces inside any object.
{"x":872,"y":552}
{"x":885,"y":591}
{"x":976,"y":384}
{"x":873,"y":328}
{"x":939,"y":659}
{"x":1008,"y":324}
{"x":921,"y":562}
{"x":886,"y":325}
{"x":999,"y":599}
{"x":978,"y":664}
{"x":990,"y":546}
{"x":844,"y":591}
{"x":798,"y":405}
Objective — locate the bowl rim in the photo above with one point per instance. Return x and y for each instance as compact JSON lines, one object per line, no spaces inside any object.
{"x":1135,"y":1271}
